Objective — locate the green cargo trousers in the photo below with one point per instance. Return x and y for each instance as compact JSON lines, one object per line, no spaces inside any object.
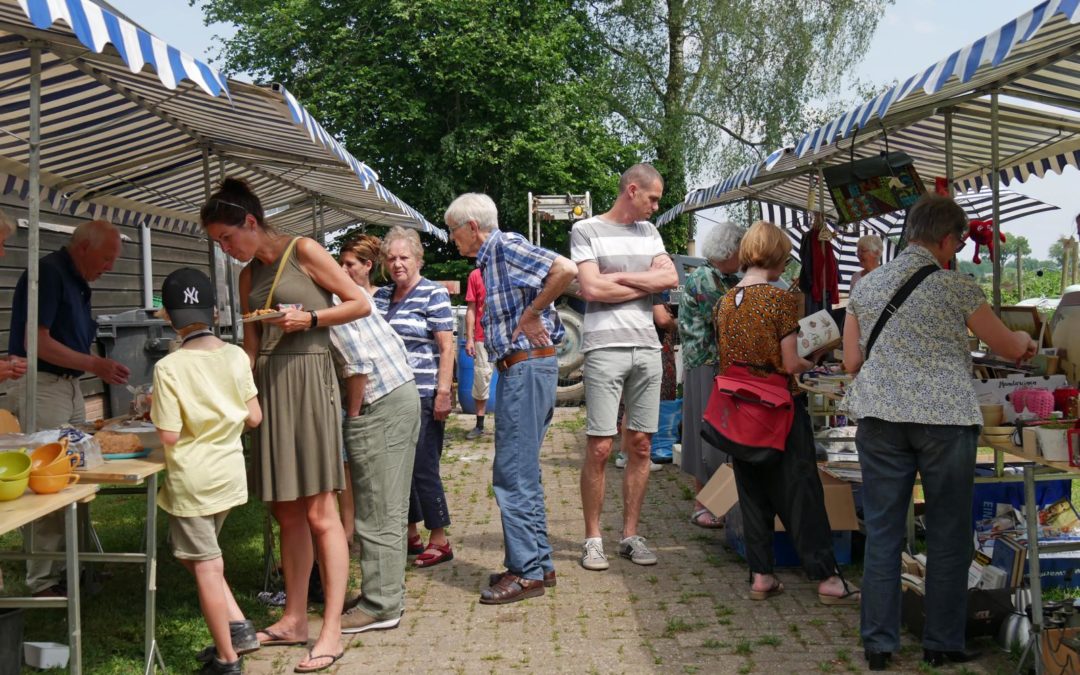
{"x":381,"y":444}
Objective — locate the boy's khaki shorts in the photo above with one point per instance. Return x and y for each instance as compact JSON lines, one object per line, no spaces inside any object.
{"x":196,"y":537}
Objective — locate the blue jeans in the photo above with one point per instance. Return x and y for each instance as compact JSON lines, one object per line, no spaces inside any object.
{"x":524,"y":405}
{"x":890,"y":453}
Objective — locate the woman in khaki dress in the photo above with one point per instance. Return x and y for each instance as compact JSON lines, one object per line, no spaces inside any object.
{"x":297,"y":453}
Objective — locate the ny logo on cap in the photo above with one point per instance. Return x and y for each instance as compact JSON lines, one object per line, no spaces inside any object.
{"x":191,"y":295}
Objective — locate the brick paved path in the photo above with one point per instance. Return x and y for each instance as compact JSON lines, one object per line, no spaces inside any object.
{"x":688,"y":614}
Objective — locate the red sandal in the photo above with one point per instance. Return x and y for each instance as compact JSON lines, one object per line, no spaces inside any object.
{"x":434,"y":555}
{"x":416,"y":545}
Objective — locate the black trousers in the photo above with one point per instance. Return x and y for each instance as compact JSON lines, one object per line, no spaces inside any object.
{"x":792,"y":490}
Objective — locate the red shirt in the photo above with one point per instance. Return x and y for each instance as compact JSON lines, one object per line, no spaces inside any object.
{"x":474,"y":292}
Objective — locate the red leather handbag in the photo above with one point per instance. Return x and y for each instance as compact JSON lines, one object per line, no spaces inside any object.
{"x":749,"y":416}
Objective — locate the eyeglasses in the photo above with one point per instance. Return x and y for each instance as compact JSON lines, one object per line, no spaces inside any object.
{"x":961,"y":242}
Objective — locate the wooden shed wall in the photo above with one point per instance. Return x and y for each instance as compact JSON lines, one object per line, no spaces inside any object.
{"x":116,"y":291}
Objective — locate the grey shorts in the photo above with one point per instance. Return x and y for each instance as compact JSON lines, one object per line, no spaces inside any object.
{"x":196,"y":537}
{"x":628,"y":374}
{"x":481,"y":384}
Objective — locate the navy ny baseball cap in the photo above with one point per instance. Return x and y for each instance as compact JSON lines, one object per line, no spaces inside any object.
{"x":188,"y":296}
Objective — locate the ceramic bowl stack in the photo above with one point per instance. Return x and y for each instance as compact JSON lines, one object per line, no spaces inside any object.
{"x":997,"y":436}
{"x":14,"y":475}
{"x":52,"y":469}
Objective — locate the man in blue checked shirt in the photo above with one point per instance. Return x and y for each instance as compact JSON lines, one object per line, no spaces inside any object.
{"x":521,"y":329}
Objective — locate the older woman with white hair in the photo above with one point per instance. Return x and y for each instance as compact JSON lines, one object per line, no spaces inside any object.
{"x":704,"y":287}
{"x":418,"y":309}
{"x":869,"y":250}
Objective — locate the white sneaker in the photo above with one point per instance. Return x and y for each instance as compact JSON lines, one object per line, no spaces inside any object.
{"x":620,"y":463}
{"x":592,"y":555}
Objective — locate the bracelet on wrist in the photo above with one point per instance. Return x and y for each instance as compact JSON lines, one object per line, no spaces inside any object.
{"x":314,"y":319}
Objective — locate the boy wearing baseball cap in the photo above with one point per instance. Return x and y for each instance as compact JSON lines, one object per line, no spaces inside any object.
{"x":204,"y":395}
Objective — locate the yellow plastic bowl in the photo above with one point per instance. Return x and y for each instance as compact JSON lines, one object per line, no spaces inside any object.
{"x":14,"y":466}
{"x":13,"y":489}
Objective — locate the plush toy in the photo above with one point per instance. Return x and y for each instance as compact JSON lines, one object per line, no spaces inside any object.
{"x":982,"y":233}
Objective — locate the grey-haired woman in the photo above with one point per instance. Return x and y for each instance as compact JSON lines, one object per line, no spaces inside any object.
{"x":704,"y":287}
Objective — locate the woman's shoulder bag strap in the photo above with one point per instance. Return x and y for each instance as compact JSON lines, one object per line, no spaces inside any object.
{"x":280,"y":269}
{"x":897,"y":300}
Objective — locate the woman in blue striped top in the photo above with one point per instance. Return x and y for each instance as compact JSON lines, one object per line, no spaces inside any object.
{"x":419,"y":311}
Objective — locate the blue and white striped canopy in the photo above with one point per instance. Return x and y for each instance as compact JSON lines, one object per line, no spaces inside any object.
{"x":126,"y":120}
{"x":1035,"y":57}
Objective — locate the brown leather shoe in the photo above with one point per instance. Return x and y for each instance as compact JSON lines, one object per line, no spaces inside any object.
{"x":549,"y":578}
{"x":54,"y":591}
{"x":511,"y":588}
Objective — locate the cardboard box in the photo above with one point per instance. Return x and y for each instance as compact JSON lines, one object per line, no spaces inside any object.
{"x":784,"y":553}
{"x":996,"y":390}
{"x":720,"y":496}
{"x":986,"y":610}
{"x":1059,"y":654}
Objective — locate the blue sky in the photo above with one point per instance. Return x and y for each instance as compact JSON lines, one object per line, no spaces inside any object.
{"x":912,"y":35}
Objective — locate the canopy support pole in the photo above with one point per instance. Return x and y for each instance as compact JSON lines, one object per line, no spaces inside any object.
{"x":28,"y":412}
{"x":995,"y":178}
{"x":949,"y":149}
{"x":146,"y":262}
{"x":210,"y":247}
{"x":322,"y":223}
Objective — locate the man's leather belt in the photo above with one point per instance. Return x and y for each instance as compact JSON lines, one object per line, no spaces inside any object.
{"x":520,"y":355}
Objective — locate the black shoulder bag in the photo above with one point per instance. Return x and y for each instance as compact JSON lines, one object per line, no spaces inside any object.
{"x":894,"y":304}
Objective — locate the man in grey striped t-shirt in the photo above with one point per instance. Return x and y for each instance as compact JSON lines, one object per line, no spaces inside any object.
{"x":621,"y":263}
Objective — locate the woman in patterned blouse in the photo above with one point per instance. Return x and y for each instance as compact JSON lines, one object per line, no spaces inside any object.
{"x":917,"y":411}
{"x":756,"y":324}
{"x":703,"y":289}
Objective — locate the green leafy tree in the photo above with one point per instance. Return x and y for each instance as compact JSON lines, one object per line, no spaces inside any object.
{"x":1037,"y":284}
{"x":707,"y":85}
{"x":1057,"y":251}
{"x":1015,"y":244}
{"x":445,"y":96}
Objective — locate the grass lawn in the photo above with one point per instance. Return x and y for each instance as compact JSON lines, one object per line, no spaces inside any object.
{"x":112,"y":619}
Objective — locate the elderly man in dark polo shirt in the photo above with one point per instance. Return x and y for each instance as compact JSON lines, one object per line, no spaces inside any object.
{"x":66,"y":330}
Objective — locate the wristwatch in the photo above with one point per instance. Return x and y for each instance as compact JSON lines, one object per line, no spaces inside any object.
{"x":534,"y":310}
{"x":314,"y":319}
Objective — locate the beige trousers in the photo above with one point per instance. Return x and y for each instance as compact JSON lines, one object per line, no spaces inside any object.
{"x":59,"y":402}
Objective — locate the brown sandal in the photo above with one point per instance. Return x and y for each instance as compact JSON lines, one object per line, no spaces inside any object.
{"x":511,"y":588}
{"x":434,"y":555}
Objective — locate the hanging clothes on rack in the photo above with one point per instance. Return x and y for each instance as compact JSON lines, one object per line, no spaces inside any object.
{"x":820,"y":273}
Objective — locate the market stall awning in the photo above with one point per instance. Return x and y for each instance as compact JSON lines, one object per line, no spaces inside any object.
{"x":130,"y":125}
{"x":1032,"y":62}
{"x":796,"y":223}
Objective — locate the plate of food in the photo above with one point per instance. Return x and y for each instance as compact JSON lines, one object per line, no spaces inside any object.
{"x":126,"y":455}
{"x":120,"y":446}
{"x":262,"y":314}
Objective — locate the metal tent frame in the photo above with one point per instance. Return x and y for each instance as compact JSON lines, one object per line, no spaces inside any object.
{"x":950,"y":117}
{"x":103,"y":120}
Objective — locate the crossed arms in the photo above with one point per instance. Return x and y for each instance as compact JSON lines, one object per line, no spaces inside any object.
{"x":615,"y":287}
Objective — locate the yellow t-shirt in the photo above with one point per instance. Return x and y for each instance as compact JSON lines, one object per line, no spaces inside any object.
{"x":203,"y":396}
